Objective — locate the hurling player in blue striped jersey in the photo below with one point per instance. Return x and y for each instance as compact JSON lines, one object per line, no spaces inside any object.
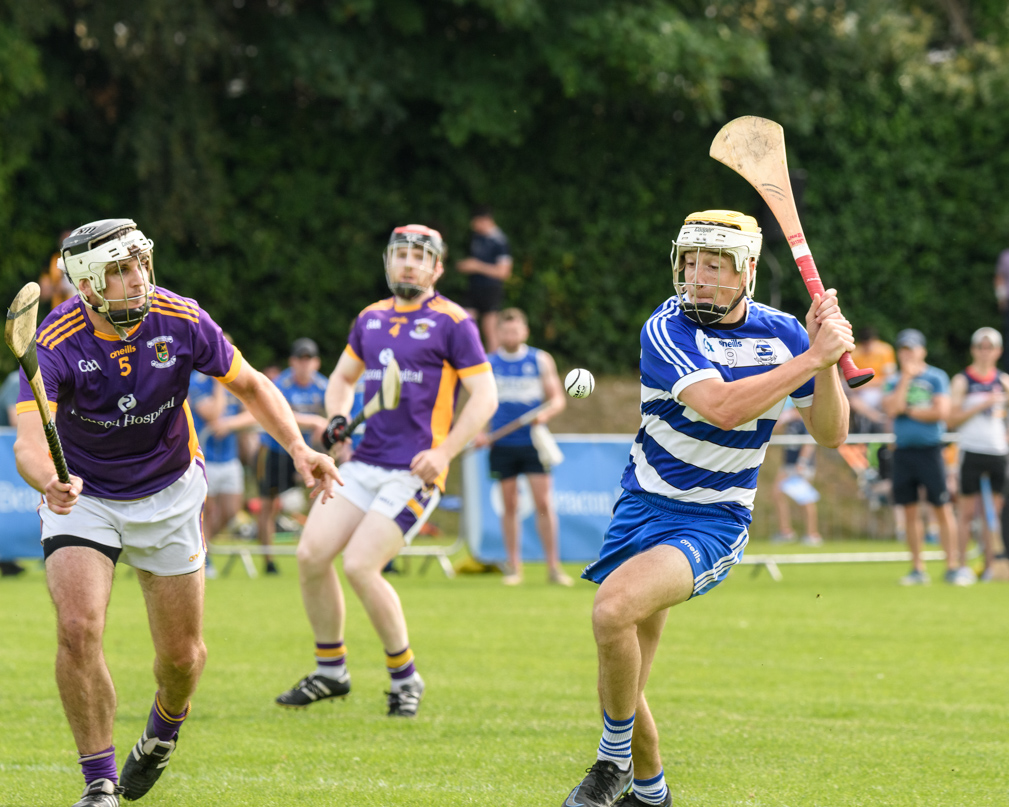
{"x":716,"y":368}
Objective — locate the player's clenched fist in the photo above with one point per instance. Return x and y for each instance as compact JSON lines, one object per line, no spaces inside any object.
{"x":833,"y":339}
{"x":429,"y":464}
{"x":62,"y":496}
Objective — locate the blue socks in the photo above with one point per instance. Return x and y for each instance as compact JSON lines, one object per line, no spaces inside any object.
{"x":615,"y":745}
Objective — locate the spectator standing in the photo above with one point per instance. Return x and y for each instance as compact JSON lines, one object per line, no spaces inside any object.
{"x":873,"y":353}
{"x":797,"y":461}
{"x":868,"y":417}
{"x":917,"y":398}
{"x":9,"y":399}
{"x":214,"y":407}
{"x":488,"y":266}
{"x":978,"y":413}
{"x":526,"y":377}
{"x":1002,"y":289}
{"x":304,"y":387}
{"x":9,"y":567}
{"x":54,"y":285}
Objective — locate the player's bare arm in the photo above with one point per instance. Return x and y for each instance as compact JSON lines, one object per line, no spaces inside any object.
{"x":730,"y":404}
{"x":266,"y":403}
{"x":501,"y":270}
{"x":553,"y":390}
{"x":938,"y":409}
{"x":340,"y":390}
{"x":31,"y":452}
{"x":828,"y":417}
{"x":477,"y":411}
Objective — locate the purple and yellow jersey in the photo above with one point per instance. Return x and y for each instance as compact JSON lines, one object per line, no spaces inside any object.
{"x":435,"y":343}
{"x":120,"y":407}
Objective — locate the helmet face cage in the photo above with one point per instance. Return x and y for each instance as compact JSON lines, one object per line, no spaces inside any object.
{"x":94,"y":250}
{"x":720,"y":233}
{"x":401,"y":250}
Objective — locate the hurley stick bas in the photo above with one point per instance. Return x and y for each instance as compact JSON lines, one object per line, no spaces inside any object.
{"x":19,"y":334}
{"x":386,"y":398}
{"x":755,"y":149}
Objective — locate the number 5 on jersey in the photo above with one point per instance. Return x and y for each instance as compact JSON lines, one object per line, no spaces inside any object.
{"x":124,"y":366}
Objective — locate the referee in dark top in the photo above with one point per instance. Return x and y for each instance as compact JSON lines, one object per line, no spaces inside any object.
{"x":488,"y":265}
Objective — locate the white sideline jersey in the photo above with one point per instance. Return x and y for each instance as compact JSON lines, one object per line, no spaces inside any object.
{"x":677,"y":453}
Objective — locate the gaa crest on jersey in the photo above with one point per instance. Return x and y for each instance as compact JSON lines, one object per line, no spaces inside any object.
{"x":163,"y":357}
{"x":421,"y":328}
{"x":764,"y":353}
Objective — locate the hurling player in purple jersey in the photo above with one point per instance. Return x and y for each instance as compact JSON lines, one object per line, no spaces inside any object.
{"x":116,"y":361}
{"x":398,"y":471}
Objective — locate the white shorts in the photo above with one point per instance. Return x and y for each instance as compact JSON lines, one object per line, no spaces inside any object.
{"x":161,"y":534}
{"x":397,"y":495}
{"x":225,"y":477}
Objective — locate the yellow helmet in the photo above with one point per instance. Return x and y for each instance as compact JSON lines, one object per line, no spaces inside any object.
{"x":717,"y":231}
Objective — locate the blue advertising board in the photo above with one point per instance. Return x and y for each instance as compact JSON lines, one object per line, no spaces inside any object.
{"x":20,"y":529}
{"x":586,"y":485}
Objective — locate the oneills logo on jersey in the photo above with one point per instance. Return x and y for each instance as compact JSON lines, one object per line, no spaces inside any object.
{"x":421,"y":328}
{"x":160,"y":345}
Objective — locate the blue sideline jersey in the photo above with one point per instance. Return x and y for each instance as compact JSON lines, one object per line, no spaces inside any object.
{"x":519,"y":381}
{"x":911,"y":433}
{"x":309,"y":400}
{"x":677,"y":453}
{"x":215,"y":449}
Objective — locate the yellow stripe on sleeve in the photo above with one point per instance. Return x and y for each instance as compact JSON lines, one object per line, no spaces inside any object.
{"x":29,"y":406}
{"x":350,"y":352}
{"x":476,"y":369}
{"x":236,"y":366}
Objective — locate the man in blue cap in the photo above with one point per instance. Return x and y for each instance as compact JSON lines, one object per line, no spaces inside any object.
{"x":917,"y":398}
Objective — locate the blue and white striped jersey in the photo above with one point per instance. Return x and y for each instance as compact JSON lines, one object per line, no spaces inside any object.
{"x":519,"y":378}
{"x":677,"y":453}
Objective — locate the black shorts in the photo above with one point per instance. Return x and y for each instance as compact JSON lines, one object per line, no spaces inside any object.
{"x":507,"y":462}
{"x":915,"y":468}
{"x":275,"y":472}
{"x":485,"y":297}
{"x":974,"y":466}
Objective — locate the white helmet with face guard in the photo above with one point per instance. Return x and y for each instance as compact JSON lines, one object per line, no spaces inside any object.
{"x":90,"y":251}
{"x":402,"y":249}
{"x":719,"y":232}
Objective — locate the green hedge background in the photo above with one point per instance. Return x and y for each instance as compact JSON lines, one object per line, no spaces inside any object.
{"x":269,"y":146}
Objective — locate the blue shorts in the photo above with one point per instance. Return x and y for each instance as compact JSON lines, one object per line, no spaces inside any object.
{"x":712,"y":539}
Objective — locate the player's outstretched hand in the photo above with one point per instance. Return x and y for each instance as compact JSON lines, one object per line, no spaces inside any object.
{"x":429,"y":464}
{"x":318,"y":470}
{"x":62,"y":496}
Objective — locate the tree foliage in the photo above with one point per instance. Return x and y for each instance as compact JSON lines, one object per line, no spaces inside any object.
{"x":268,"y":147}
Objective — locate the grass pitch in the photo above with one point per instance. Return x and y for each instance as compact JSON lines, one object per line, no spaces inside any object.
{"x":833,"y":687}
